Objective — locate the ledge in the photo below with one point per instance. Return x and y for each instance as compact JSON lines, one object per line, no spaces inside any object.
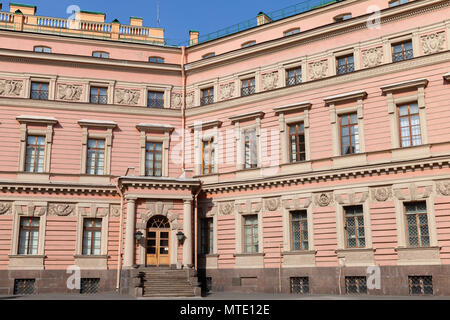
{"x":205,"y":125}
{"x":154,"y":127}
{"x":247,"y":116}
{"x":97,"y":123}
{"x":354,"y":95}
{"x":93,"y":262}
{"x":295,"y":259}
{"x":411,"y":84}
{"x":26,"y":262}
{"x":418,"y":256}
{"x":354,"y":257}
{"x":36,"y":119}
{"x":293,"y":107}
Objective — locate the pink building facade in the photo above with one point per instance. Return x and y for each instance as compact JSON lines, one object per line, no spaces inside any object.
{"x":308,"y":154}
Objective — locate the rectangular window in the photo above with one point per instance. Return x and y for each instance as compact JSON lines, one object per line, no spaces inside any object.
{"x":251,"y":234}
{"x":417,"y":224}
{"x":153,"y":159}
{"x":291,"y":32}
{"x":250,"y":149}
{"x":349,"y":133}
{"x":92,"y":234}
{"x":96,"y":157}
{"x":99,"y":95}
{"x":24,"y":286}
{"x":42,"y":49}
{"x":409,"y":125}
{"x":28,"y":236}
{"x":39,"y":91}
{"x":208,"y":156}
{"x":248,"y":87}
{"x":402,"y":51}
{"x":420,"y":285}
{"x":297,"y":142}
{"x":299,"y":285}
{"x":299,"y":230}
{"x":207,"y":228}
{"x":89,"y":285}
{"x":354,"y":227}
{"x":345,"y":64}
{"x":35,"y":154}
{"x":293,"y":76}
{"x":155,"y":99}
{"x":397,"y":2}
{"x":156,"y":59}
{"x":207,"y":96}
{"x":100,"y":54}
{"x":355,"y":285}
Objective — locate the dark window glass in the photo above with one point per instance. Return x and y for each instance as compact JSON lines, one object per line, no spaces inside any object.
{"x":96,"y":157}
{"x":248,"y":87}
{"x":293,"y":76}
{"x":419,"y":285}
{"x":155,"y":99}
{"x":156,"y":59}
{"x":35,"y":154}
{"x":29,"y":236}
{"x":299,"y":230}
{"x":349,"y":133}
{"x":153,"y":159}
{"x":207,"y":96}
{"x":297,"y":142}
{"x":251,"y":234}
{"x":355,"y":285}
{"x":417,"y":224}
{"x":39,"y":91}
{"x":345,"y":64}
{"x":100,"y":54}
{"x":354,"y":227}
{"x":207,"y":233}
{"x":409,"y":125}
{"x":99,"y":95}
{"x":299,"y":285}
{"x":402,"y":51}
{"x":92,"y":234}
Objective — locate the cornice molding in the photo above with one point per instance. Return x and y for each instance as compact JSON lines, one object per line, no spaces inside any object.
{"x":159,"y":183}
{"x":293,"y":107}
{"x":205,"y":125}
{"x":97,"y":123}
{"x":247,"y":116}
{"x":155,"y":127}
{"x":410,"y":84}
{"x":36,"y":119}
{"x":58,"y":188}
{"x":354,"y":95}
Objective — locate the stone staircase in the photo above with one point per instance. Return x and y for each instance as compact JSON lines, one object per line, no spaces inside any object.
{"x":166,"y":282}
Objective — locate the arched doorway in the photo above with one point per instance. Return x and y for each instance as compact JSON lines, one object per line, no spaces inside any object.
{"x":158,"y":241}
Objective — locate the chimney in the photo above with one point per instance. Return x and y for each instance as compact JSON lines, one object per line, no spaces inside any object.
{"x":262,"y":18}
{"x":26,"y":9}
{"x":193,"y":37}
{"x":135,"y":21}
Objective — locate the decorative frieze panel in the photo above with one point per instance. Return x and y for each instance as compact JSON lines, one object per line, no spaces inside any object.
{"x":207,"y":209}
{"x":69,"y":92}
{"x":114,"y":210}
{"x":318,"y":69}
{"x":248,"y":206}
{"x":270,"y":81}
{"x":352,"y":198}
{"x":128,"y":96}
{"x":381,"y":194}
{"x":323,"y":199}
{"x":190,"y":99}
{"x":30,"y":209}
{"x":413,"y":192}
{"x":434,"y":42}
{"x":93,"y":210}
{"x":10,"y":88}
{"x":226,"y":91}
{"x":297,"y":202}
{"x":443,"y":188}
{"x":61,"y":209}
{"x":5,"y":208}
{"x":177,"y":100}
{"x":272,"y":204}
{"x":372,"y":57}
{"x":226,"y":208}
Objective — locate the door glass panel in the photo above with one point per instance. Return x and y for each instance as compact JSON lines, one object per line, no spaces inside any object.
{"x":164,"y":243}
{"x":152,"y":234}
{"x":151,"y":250}
{"x":164,"y":235}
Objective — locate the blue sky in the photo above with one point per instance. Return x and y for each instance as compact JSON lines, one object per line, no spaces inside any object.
{"x":176,"y":17}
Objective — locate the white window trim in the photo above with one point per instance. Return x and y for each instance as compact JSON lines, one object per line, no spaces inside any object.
{"x":287,"y":245}
{"x":338,"y":54}
{"x":282,"y":69}
{"x":51,"y":80}
{"x":199,"y":137}
{"x":240,"y":240}
{"x":159,"y":88}
{"x":80,"y":226}
{"x":109,"y":85}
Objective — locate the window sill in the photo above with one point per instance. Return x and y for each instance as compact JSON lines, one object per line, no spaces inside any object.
{"x":418,"y":255}
{"x":350,"y":160}
{"x":249,"y":260}
{"x":208,"y":178}
{"x":26,"y":262}
{"x":33,"y":176}
{"x":356,"y":256}
{"x":294,"y":167}
{"x":305,"y":258}
{"x":208,"y":261}
{"x":93,"y":262}
{"x":249,"y":173}
{"x":413,"y":152}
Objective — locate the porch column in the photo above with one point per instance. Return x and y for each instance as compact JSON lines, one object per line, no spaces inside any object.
{"x":187,"y":229}
{"x":129,"y":234}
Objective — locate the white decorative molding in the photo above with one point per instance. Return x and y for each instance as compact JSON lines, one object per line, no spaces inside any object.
{"x":323,"y":199}
{"x":160,"y":208}
{"x":5,"y":208}
{"x":114,"y":210}
{"x":434,"y":42}
{"x":226,"y":91}
{"x":250,"y":206}
{"x":10,"y":88}
{"x":413,"y":192}
{"x":318,"y":69}
{"x":91,"y":210}
{"x":381,"y":194}
{"x":272,"y":204}
{"x":226,"y":208}
{"x":177,"y":100}
{"x":270,"y":81}
{"x":69,"y":92}
{"x":296,"y":202}
{"x":61,"y":209}
{"x":351,"y":198}
{"x":128,"y":96}
{"x":32,"y":209}
{"x":372,"y":57}
{"x":190,"y":99}
{"x":443,"y":187}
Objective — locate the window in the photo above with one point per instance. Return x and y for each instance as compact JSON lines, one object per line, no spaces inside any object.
{"x":155,"y":99}
{"x":96,"y":157}
{"x":355,"y":285}
{"x":156,"y":59}
{"x":299,"y":230}
{"x":39,"y":91}
{"x":207,"y":96}
{"x":297,"y":142}
{"x":35,"y":154}
{"x":299,"y":285}
{"x":291,"y":32}
{"x":397,"y":2}
{"x":24,"y":286}
{"x":417,"y":224}
{"x":354,"y":227}
{"x":248,"y":87}
{"x":208,"y":55}
{"x":99,"y":95}
{"x":100,"y":54}
{"x":345,"y":64}
{"x":251,"y":234}
{"x":250,"y":149}
{"x":208,"y":156}
{"x":402,"y":51}
{"x":343,"y":17}
{"x":349,"y":133}
{"x":42,"y":49}
{"x":207,"y":236}
{"x":153,"y":159}
{"x":92,"y":234}
{"x":28,"y":236}
{"x":293,"y":76}
{"x":248,"y":44}
{"x":409,"y":125}
{"x":89,"y":285}
{"x":420,"y":285}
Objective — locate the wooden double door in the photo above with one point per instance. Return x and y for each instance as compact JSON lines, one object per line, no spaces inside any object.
{"x":158,"y":241}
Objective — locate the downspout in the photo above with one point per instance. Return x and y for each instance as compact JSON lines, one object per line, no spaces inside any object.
{"x":195,"y":225}
{"x":119,"y":256}
{"x":183,"y":106}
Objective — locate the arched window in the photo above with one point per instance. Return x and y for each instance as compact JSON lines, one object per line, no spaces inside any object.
{"x":100,"y":54}
{"x":248,"y":44}
{"x":343,"y":17}
{"x":43,"y":49}
{"x":291,"y":31}
{"x":156,"y":59}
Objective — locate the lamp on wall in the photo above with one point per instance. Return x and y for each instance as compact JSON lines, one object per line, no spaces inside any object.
{"x":138,"y":235}
{"x":180,"y":236}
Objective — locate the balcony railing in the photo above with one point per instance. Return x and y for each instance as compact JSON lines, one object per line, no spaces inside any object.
{"x":345,"y":68}
{"x":39,"y":95}
{"x":155,"y":103}
{"x":292,"y":81}
{"x":206,"y":100}
{"x":402,"y":55}
{"x":99,"y":99}
{"x":246,"y":91}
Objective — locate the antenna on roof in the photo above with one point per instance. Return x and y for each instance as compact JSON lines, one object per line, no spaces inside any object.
{"x":157,"y":13}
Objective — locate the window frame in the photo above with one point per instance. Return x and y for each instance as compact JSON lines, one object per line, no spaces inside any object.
{"x":43,"y":48}
{"x":157,"y":59}
{"x":296,"y":77}
{"x":402,"y":43}
{"x":35,"y":146}
{"x":101,"y":54}
{"x":248,"y":44}
{"x":400,"y":117}
{"x":91,"y":229}
{"x":154,"y":152}
{"x":300,"y":221}
{"x":98,"y":88}
{"x":252,"y":227}
{"x":40,"y":91}
{"x":417,"y":225}
{"x":346,"y":233}
{"x":155,"y":93}
{"x":291,"y":31}
{"x":211,"y":145}
{"x":297,"y":142}
{"x":348,"y":65}
{"x":207,"y":99}
{"x":349,"y":126}
{"x":207,"y":243}
{"x":250,"y":85}
{"x":208,"y":55}
{"x":28,"y":229}
{"x":97,"y":151}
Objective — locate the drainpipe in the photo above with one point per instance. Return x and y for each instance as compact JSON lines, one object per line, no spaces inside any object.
{"x":195,"y":224}
{"x":183,"y":105}
{"x":119,"y":256}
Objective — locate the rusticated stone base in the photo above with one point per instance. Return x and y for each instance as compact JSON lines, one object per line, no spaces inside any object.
{"x":324,"y":280}
{"x":55,"y":281}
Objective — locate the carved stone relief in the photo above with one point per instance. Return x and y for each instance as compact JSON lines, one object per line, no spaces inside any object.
{"x":5,"y":208}
{"x":372,"y":57}
{"x":270,"y":81}
{"x":318,"y":70}
{"x":272,"y":204}
{"x":351,"y":198}
{"x":10,"y":88}
{"x":226,"y":91}
{"x":413,"y":193}
{"x":226,"y":208}
{"x":31,"y":209}
{"x":69,"y":92}
{"x":434,"y":42}
{"x":127,"y":96}
{"x":176,"y":101}
{"x":297,"y":202}
{"x":323,"y":199}
{"x":114,"y":210}
{"x":190,"y":100}
{"x":61,"y":209}
{"x":93,"y":210}
{"x":248,"y":206}
{"x":381,"y":194}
